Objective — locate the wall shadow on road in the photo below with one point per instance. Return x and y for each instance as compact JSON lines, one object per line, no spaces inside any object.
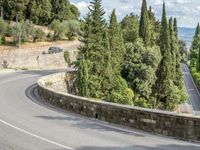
{"x":137,"y":147}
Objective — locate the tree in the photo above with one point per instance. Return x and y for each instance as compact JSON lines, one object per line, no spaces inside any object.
{"x":164,"y":72}
{"x":140,"y":67}
{"x":58,"y":28}
{"x":82,"y":78}
{"x":39,"y":11}
{"x":1,"y":8}
{"x":144,"y":24}
{"x":195,"y":44}
{"x":15,"y":9}
{"x":3,"y":30}
{"x":63,"y":10}
{"x":116,"y":44}
{"x":183,"y":50}
{"x":130,"y":28}
{"x":72,"y":29}
{"x":38,"y":34}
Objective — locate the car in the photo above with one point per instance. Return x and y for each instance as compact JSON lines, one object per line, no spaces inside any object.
{"x":55,"y":50}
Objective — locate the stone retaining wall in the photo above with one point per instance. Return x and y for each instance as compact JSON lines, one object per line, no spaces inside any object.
{"x":176,"y":125}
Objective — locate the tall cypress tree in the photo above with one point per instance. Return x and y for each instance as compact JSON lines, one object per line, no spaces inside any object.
{"x":116,"y":44}
{"x":173,"y":48}
{"x":144,"y":32}
{"x":82,"y":78}
{"x":164,"y":72}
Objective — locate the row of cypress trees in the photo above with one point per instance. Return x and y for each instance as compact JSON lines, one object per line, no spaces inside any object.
{"x":105,"y":52}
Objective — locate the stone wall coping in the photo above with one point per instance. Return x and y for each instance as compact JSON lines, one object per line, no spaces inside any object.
{"x":41,"y":84}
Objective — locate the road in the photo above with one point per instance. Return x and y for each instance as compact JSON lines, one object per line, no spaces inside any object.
{"x":194,"y":95}
{"x":27,"y":124}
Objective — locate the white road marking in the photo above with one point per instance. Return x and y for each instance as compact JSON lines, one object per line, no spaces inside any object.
{"x":36,"y":136}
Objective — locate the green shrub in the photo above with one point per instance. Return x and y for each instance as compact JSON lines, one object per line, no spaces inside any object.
{"x":67,"y":57}
{"x":38,"y":34}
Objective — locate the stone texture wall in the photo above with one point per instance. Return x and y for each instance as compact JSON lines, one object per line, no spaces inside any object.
{"x":180,"y":126}
{"x":33,"y":58}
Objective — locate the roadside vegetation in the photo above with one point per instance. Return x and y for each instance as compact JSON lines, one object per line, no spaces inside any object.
{"x":134,"y":62}
{"x":26,"y":21}
{"x":194,"y":56}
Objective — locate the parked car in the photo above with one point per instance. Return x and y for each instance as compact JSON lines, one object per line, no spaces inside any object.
{"x":55,"y":50}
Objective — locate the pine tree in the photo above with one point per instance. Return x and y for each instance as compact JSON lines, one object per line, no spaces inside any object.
{"x":96,"y":48}
{"x":116,"y":44}
{"x":144,"y":24}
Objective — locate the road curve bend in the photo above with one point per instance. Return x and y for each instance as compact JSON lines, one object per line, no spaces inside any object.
{"x":28,"y":125}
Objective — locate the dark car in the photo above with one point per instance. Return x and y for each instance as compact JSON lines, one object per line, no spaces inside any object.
{"x":54,"y":50}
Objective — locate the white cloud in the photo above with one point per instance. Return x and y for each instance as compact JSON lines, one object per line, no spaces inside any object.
{"x":82,"y":5}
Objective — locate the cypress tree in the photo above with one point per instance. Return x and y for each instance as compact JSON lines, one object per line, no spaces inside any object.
{"x":82,"y":78}
{"x":198,"y":62}
{"x":173,"y":48}
{"x":144,"y":32}
{"x":164,"y":72}
{"x":116,"y":44}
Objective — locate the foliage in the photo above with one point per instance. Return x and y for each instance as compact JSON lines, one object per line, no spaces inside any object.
{"x":72,"y":29}
{"x":21,"y":31}
{"x":38,"y":34}
{"x":116,"y":44}
{"x":140,"y":66}
{"x":40,"y":12}
{"x":82,"y":78}
{"x":67,"y":57}
{"x":58,"y":28}
{"x":144,"y":32}
{"x":183,"y":50}
{"x":3,"y":27}
{"x":130,"y":28}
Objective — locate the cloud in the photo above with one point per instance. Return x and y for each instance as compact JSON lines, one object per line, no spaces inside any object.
{"x":187,"y":11}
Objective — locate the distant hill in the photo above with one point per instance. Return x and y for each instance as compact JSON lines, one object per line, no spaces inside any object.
{"x":186,"y":34}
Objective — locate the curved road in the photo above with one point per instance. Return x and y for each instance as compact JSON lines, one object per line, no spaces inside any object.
{"x":28,"y":125}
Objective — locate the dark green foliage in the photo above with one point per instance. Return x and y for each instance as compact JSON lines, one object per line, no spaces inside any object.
{"x":183,"y":50}
{"x":83,"y":78}
{"x":3,"y":27}
{"x":63,"y":10}
{"x":130,"y":28}
{"x":144,"y":24}
{"x":139,"y":68}
{"x":41,"y":12}
{"x":116,"y":44}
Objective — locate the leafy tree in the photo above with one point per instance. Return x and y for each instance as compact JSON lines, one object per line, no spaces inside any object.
{"x":58,"y":28}
{"x":130,"y":28}
{"x":38,"y":34}
{"x":116,"y":44}
{"x":144,"y":24}
{"x":183,"y":50}
{"x":15,"y":9}
{"x":72,"y":29}
{"x":63,"y":10}
{"x":21,"y":31}
{"x":39,"y":11}
{"x":140,"y":67}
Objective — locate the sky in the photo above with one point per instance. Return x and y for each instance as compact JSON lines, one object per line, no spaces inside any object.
{"x":186,"y":11}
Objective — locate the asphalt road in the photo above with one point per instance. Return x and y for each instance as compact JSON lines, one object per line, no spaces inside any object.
{"x":194,"y":95}
{"x":26,"y":124}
